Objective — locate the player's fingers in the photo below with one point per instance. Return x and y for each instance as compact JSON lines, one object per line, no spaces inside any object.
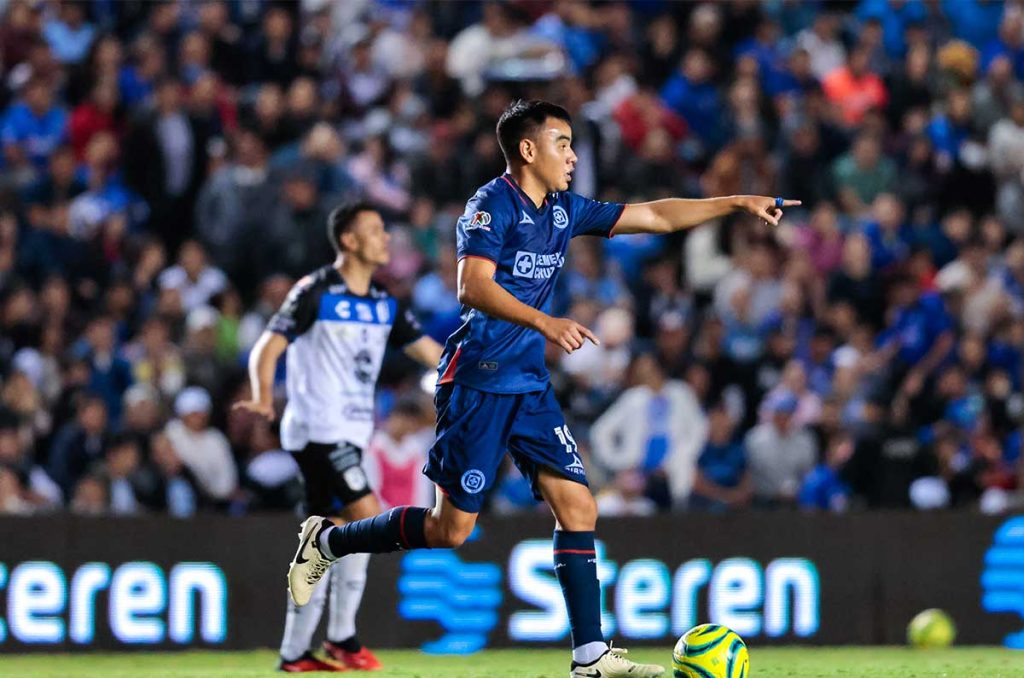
{"x":791,"y":203}
{"x":575,"y":338}
{"x":764,"y":214}
{"x":565,"y":345}
{"x":590,"y":335}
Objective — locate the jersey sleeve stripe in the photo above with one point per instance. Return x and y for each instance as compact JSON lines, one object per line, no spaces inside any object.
{"x":477,"y":256}
{"x":611,"y":231}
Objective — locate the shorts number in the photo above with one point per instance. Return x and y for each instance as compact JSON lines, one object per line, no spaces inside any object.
{"x":566,"y":438}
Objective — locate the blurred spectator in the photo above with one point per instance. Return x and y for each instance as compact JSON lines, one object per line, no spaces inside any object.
{"x":692,"y":94}
{"x":854,"y":89}
{"x":110,"y":374}
{"x":79,"y":444}
{"x":165,"y":162}
{"x":90,"y":497}
{"x":33,"y":128}
{"x":862,"y":174}
{"x":397,"y":454}
{"x":270,"y":477}
{"x":1006,"y":151}
{"x":234,"y":201}
{"x":121,"y":464}
{"x":823,"y":489}
{"x":821,"y":41}
{"x":168,"y":485}
{"x":888,"y":455}
{"x":69,"y":34}
{"x":203,"y":449}
{"x":722,"y":480}
{"x":97,"y":114}
{"x":194,"y":278}
{"x":779,"y":454}
{"x":656,"y":428}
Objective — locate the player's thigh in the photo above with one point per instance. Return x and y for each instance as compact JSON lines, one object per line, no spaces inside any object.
{"x":317,"y":480}
{"x":472,"y":435}
{"x":334,"y":480}
{"x":544,"y":449}
{"x":571,"y":503}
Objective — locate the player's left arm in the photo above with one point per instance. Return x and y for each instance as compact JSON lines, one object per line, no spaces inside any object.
{"x":676,"y":214}
{"x":425,"y":351}
{"x":407,"y":334}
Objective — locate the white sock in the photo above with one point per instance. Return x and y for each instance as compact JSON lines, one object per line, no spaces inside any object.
{"x":348,"y":579}
{"x":301,"y":622}
{"x":589,"y":653}
{"x":325,"y":545}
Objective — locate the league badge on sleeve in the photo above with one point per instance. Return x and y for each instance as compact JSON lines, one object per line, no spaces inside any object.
{"x":478,"y":220}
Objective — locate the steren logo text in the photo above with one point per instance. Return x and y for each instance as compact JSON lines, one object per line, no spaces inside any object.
{"x":537,"y":266}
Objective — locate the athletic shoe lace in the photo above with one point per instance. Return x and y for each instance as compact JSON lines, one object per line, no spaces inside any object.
{"x":317,"y":569}
{"x":618,"y":653}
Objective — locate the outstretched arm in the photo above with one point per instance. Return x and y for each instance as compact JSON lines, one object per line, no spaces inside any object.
{"x":676,"y":214}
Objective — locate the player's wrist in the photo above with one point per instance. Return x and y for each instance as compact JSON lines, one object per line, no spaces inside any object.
{"x":540,"y":322}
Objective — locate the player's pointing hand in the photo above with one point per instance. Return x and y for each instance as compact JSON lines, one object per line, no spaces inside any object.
{"x":769,"y":209}
{"x":567,"y":333}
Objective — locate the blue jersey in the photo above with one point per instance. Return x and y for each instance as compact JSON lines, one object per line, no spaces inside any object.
{"x":528,"y":246}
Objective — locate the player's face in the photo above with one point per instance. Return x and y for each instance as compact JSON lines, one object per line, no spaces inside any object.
{"x":555,"y":158}
{"x":370,"y":239}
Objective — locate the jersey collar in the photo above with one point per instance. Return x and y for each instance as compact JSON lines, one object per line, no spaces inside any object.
{"x":525,"y":198}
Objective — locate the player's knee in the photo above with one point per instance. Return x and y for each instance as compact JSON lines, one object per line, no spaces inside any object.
{"x":579,"y":515}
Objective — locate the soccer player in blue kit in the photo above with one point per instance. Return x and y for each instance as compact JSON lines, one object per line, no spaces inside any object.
{"x":494,"y":394}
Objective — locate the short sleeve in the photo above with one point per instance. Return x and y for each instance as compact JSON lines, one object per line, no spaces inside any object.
{"x":298,"y":312}
{"x":406,"y":329}
{"x":593,"y":217}
{"x":481,"y":229}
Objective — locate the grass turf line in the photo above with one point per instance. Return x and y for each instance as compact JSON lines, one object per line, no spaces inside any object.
{"x":787,"y":662}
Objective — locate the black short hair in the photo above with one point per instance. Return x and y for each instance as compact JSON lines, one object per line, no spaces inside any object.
{"x":342,"y":217}
{"x":521,"y":120}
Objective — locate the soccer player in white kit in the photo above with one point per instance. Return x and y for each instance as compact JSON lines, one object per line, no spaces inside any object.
{"x":335,"y":325}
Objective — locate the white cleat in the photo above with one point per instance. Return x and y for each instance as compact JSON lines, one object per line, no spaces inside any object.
{"x":613,"y":664}
{"x":309,"y":564}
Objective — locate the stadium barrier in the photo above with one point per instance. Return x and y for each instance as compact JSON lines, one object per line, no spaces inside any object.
{"x":69,"y":583}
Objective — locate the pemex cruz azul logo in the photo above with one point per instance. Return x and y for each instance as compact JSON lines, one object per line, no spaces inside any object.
{"x":464,"y":598}
{"x":1002,"y":580}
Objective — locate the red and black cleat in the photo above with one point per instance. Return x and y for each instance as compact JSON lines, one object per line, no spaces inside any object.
{"x":363,"y":660}
{"x":307,"y":663}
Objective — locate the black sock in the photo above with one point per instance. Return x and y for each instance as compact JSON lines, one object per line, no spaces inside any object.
{"x":400,"y":529}
{"x":349,"y":644}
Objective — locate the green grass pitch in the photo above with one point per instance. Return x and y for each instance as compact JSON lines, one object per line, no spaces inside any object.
{"x":790,"y":662}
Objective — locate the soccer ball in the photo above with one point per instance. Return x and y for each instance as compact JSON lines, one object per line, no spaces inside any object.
{"x":710,"y":651}
{"x":931,"y":628}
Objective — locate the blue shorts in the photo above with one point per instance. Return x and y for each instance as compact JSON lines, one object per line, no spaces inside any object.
{"x":476,"y":428}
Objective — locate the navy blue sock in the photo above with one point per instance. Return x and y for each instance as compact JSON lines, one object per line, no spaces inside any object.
{"x":576,"y":570}
{"x":399,"y":529}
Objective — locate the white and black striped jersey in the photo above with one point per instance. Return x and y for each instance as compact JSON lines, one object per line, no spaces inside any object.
{"x":337,"y":341}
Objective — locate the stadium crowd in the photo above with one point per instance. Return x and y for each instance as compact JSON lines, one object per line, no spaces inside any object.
{"x":167,"y":169}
